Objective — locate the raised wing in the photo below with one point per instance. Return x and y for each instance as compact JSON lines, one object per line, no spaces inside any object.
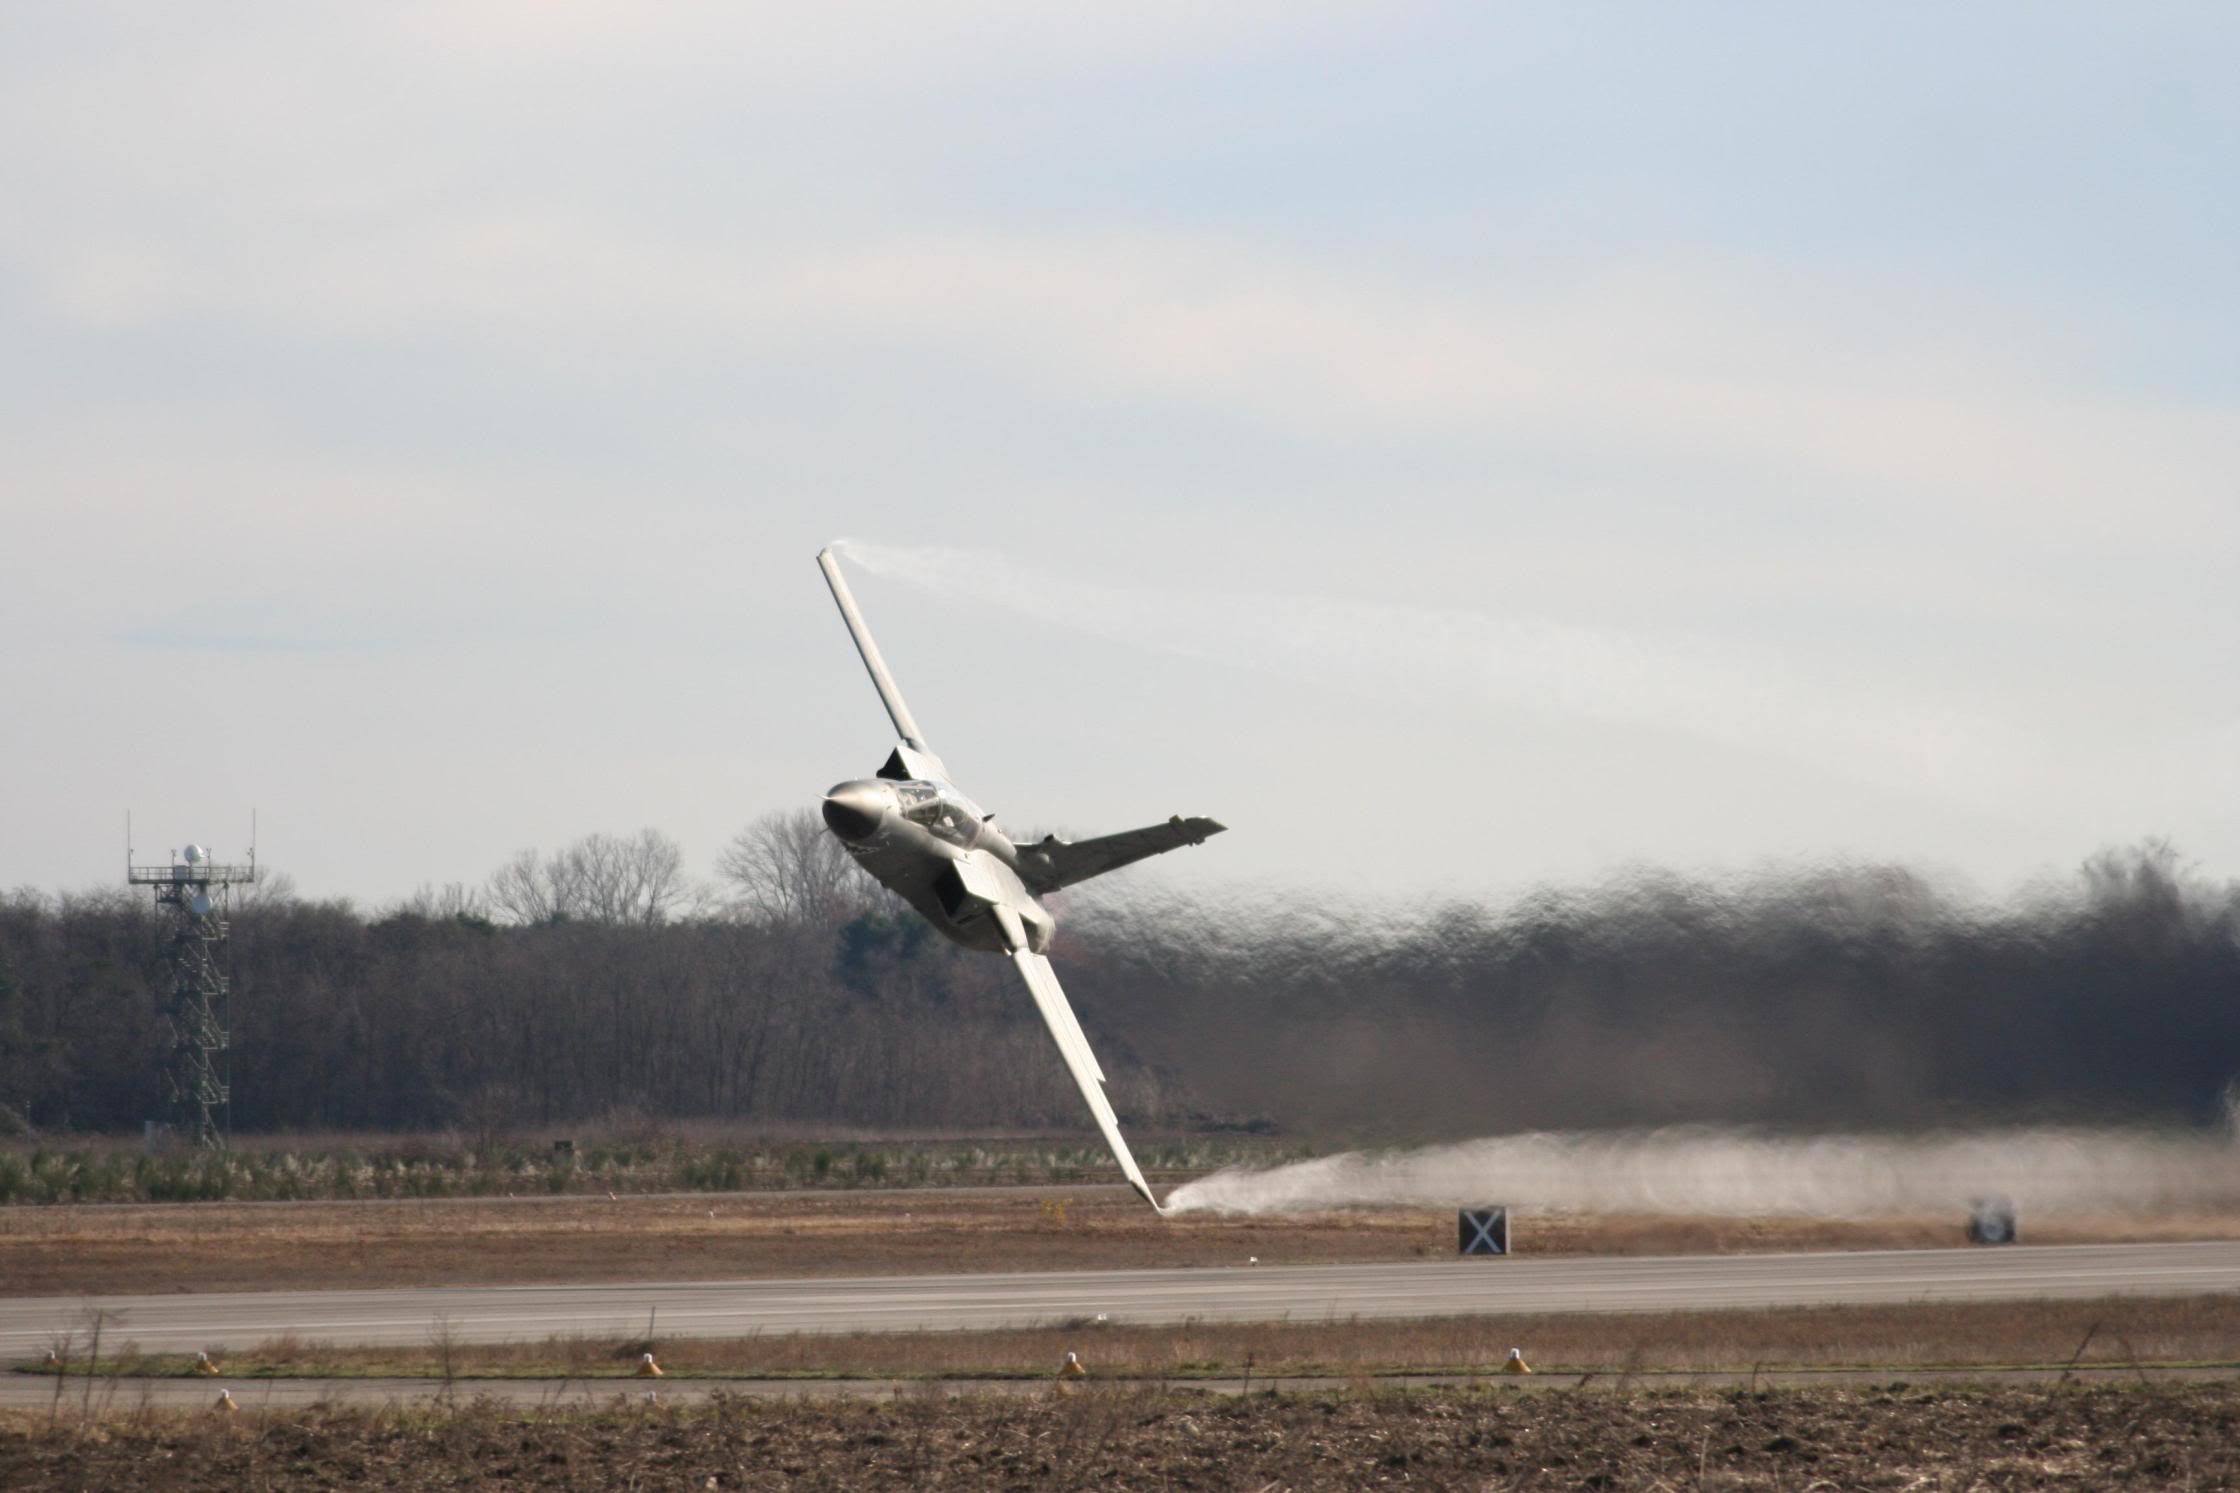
{"x":889,"y":695}
{"x":1055,"y":863}
{"x":1057,"y":1014}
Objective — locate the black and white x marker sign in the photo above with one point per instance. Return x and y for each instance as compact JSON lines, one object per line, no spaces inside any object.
{"x":1485,"y":1231}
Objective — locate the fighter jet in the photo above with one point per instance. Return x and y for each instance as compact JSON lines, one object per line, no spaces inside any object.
{"x":910,"y":827}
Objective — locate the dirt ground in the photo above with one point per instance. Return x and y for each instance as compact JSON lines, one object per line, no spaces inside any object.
{"x":141,"y":1248}
{"x":1892,"y":1437}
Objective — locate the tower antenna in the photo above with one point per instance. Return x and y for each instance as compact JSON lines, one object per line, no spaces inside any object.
{"x":192,"y":894}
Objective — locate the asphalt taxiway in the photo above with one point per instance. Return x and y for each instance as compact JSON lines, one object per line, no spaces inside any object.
{"x":488,"y":1314}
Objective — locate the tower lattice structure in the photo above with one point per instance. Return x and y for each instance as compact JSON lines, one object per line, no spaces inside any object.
{"x":197,"y":1072}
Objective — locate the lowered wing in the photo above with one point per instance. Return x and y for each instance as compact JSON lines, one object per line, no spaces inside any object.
{"x":1055,"y":863}
{"x":1057,"y":1014}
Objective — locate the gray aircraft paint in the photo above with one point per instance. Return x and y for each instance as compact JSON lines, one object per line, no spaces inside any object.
{"x":911,"y":828}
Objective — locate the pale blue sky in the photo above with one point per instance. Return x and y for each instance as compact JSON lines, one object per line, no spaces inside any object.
{"x":1458,"y":446}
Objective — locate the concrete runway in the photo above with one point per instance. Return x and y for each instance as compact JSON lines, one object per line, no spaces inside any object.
{"x":185,"y":1323}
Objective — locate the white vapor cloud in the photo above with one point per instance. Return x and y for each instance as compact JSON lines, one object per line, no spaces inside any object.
{"x":1433,"y":657}
{"x":1737,"y":1173}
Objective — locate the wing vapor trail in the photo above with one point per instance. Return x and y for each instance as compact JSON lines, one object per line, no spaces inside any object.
{"x":1731,"y":694}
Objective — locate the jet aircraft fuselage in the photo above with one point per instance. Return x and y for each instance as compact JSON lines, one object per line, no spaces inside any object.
{"x":933,"y":847}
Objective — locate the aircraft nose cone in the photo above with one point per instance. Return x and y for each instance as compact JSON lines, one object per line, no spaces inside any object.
{"x":853,"y":811}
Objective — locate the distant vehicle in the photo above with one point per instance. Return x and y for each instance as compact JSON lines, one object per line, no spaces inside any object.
{"x":911,"y":828}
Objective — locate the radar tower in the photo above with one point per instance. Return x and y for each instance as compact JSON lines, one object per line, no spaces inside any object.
{"x":193,"y":895}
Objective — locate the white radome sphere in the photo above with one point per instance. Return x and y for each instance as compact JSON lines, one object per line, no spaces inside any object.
{"x":195,"y":855}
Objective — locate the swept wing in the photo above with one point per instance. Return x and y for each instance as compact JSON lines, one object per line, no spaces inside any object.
{"x":889,"y":694}
{"x":1057,"y":1014}
{"x":1055,"y":863}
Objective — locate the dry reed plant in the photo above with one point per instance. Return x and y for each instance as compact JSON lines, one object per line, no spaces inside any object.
{"x":2115,"y":1331}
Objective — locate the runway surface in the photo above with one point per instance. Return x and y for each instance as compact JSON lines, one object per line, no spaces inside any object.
{"x":482,"y":1314}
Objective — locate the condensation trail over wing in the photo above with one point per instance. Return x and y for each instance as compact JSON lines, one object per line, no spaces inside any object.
{"x":889,"y":693}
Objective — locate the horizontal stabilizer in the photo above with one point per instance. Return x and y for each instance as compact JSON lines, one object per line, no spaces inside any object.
{"x":1053,"y":863}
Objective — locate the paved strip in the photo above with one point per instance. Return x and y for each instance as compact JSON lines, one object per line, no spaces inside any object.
{"x":488,"y":1314}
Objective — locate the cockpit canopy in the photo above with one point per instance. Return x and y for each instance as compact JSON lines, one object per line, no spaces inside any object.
{"x":942,"y":810}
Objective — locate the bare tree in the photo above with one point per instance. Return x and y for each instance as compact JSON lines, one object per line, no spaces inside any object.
{"x":270,"y":889}
{"x":637,"y":879}
{"x":531,"y":889}
{"x":454,"y":899}
{"x":617,"y":879}
{"x":785,"y":868}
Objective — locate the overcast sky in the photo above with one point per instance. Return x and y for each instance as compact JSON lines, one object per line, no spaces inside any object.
{"x":1458,"y":446}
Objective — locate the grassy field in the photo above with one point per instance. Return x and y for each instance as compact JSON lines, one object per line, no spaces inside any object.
{"x":1889,"y":1437}
{"x":140,"y":1248}
{"x":2119,"y":1331}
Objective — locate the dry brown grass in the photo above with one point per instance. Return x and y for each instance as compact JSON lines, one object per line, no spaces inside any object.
{"x":2117,"y":1331}
{"x":2066,"y":1437}
{"x":140,"y":1248}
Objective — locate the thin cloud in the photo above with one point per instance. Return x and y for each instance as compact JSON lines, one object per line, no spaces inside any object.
{"x":1816,"y":385}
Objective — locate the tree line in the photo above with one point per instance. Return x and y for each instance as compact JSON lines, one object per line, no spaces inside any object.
{"x":599,"y":981}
